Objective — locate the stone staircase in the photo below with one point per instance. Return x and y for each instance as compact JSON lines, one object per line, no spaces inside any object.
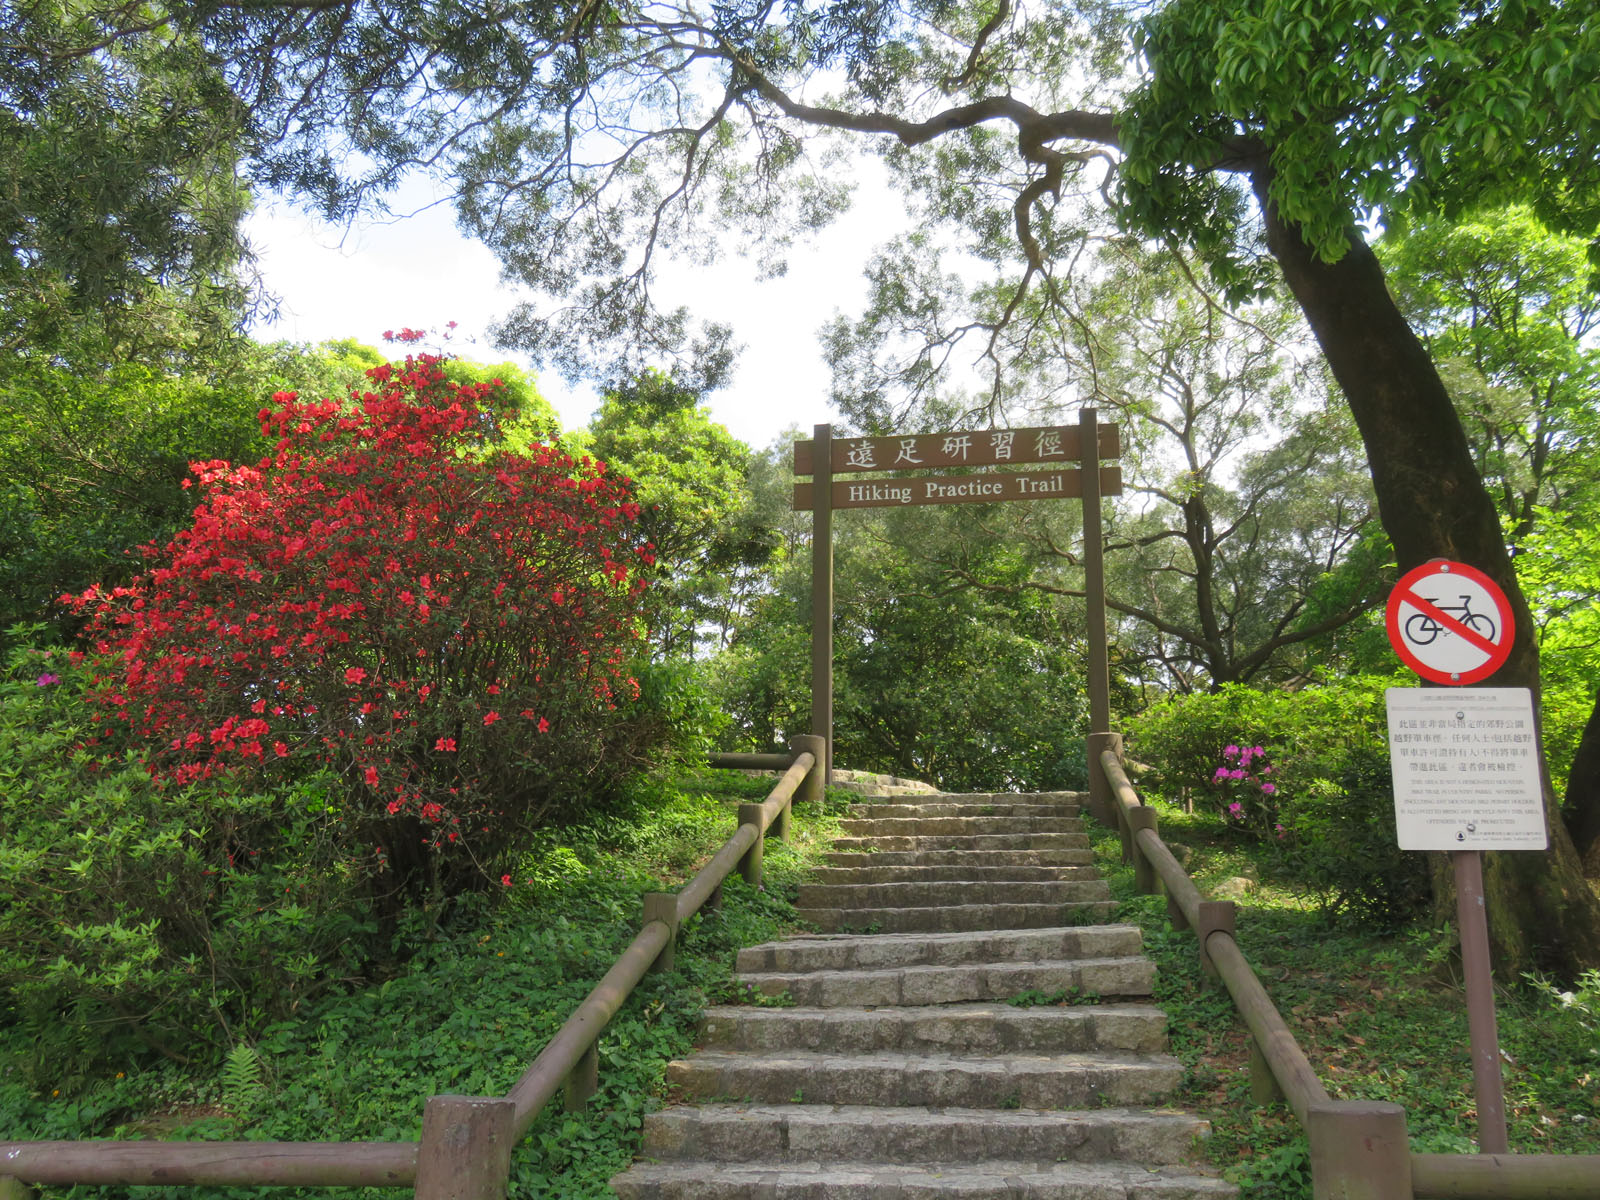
{"x":900,"y":1070}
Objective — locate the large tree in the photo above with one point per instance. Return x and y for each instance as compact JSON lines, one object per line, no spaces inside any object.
{"x":588,"y":139}
{"x":120,"y":201}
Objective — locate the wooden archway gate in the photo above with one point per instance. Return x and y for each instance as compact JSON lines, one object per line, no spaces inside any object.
{"x":861,"y":463}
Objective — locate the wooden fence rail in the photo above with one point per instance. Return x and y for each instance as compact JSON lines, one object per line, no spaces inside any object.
{"x":1359,"y":1149}
{"x":465,"y":1149}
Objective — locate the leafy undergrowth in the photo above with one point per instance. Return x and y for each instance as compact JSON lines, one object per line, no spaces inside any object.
{"x":472,"y":1010}
{"x":1379,"y":1017}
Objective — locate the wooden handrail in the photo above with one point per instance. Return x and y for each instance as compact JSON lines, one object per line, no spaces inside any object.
{"x":395,"y":1164}
{"x":1505,"y":1176}
{"x":1290,"y":1067}
{"x":749,"y":762}
{"x":1380,"y":1166}
{"x":560,"y":1057}
{"x":572,"y":1041}
{"x":213,"y":1164}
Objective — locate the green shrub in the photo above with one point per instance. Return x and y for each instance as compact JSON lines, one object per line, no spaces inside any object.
{"x":1322,"y":752}
{"x":140,"y":921}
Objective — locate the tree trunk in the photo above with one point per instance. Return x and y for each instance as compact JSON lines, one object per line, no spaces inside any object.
{"x":1431,"y":499}
{"x":1583,"y":796}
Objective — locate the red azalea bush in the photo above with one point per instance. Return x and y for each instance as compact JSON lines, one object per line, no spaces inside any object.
{"x":443,"y":624}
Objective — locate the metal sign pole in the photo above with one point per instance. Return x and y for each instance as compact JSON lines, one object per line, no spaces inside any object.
{"x":1483,"y":1032}
{"x":822,"y":588}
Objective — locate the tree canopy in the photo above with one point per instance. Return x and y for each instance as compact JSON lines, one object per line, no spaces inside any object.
{"x":585,"y":141}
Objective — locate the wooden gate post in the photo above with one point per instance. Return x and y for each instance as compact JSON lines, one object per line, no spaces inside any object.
{"x":1094,"y":573}
{"x":822,"y":588}
{"x":466,"y":1148}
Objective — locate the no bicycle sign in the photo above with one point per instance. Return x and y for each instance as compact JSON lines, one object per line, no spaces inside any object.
{"x":1450,"y":623}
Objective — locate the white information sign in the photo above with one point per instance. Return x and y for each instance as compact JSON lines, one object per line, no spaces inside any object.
{"x":1466,"y":769}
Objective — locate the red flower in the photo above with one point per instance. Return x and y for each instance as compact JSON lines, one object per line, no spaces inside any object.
{"x":445,"y":743}
{"x":372,"y":776}
{"x":489,"y":718}
{"x":354,"y":674}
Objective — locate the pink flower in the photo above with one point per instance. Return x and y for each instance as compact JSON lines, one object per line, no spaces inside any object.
{"x":354,"y":674}
{"x":489,"y":718}
{"x":1230,"y":751}
{"x":1222,"y":773}
{"x":1236,"y":809}
{"x":1269,"y":788}
{"x":1236,"y":773}
{"x":46,"y":680}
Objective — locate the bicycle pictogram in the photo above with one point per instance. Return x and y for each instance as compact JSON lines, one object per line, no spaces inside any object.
{"x":1421,"y":629}
{"x":1457,"y":643}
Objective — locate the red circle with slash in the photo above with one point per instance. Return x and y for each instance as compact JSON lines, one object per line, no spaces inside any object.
{"x":1450,"y":623}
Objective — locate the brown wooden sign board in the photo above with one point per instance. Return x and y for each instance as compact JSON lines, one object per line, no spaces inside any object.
{"x":973,"y":448}
{"x":958,"y":489}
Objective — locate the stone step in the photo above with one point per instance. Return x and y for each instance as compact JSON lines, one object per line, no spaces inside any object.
{"x":895,"y":812}
{"x":967,"y":843}
{"x":959,"y":826}
{"x":830,"y":1180}
{"x":1130,"y":976}
{"x":958,"y":917}
{"x":977,"y":1028}
{"x":838,"y":952}
{"x":795,"y":1133}
{"x":953,"y":858}
{"x":1007,"y":1081}
{"x":948,"y":873}
{"x":926,"y":894}
{"x":867,"y":783}
{"x":1079,"y":798}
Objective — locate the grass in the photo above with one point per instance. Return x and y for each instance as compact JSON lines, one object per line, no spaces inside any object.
{"x":1381,"y":1017}
{"x":471,"y":1011}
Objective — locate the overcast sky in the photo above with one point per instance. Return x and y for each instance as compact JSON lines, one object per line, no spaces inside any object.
{"x":419,"y":271}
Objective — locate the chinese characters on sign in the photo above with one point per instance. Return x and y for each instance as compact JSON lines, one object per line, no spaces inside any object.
{"x":1058,"y":445}
{"x":1465,"y":764}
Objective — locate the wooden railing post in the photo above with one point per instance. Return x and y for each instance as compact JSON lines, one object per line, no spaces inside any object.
{"x":466,"y":1148}
{"x":1102,"y":804}
{"x":1358,"y":1151}
{"x":1144,"y":875}
{"x":750,"y":864}
{"x":663,"y":906}
{"x":584,"y":1081}
{"x":814,"y":789}
{"x":1215,"y":916}
{"x":1264,"y":1087}
{"x":1175,"y":915}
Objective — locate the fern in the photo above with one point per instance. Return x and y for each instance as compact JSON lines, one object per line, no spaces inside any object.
{"x":242,"y":1080}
